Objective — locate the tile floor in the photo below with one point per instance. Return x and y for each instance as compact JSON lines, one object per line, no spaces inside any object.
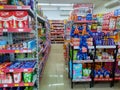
{"x":55,"y":75}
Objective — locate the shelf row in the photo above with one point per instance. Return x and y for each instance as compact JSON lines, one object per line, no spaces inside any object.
{"x":21,"y":8}
{"x":91,"y":61}
{"x":21,"y":84}
{"x":98,"y":47}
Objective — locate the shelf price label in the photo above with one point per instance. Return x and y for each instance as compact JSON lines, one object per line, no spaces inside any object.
{"x":20,"y":30}
{"x":25,"y":70}
{"x":5,"y":30}
{"x":16,"y":85}
{"x":19,"y":7}
{"x":26,"y":84}
{"x":11,"y":70}
{"x":5,"y":85}
{"x":17,"y":51}
{"x":1,"y":7}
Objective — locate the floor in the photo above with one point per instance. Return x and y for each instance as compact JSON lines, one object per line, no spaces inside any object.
{"x":55,"y":75}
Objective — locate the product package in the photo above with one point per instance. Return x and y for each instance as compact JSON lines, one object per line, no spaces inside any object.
{"x":6,"y":19}
{"x":21,"y":19}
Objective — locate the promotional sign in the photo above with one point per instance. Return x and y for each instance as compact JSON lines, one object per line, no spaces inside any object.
{"x":82,"y":9}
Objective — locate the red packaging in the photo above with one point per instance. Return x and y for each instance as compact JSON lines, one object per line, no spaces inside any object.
{"x":6,"y":19}
{"x":20,"y":19}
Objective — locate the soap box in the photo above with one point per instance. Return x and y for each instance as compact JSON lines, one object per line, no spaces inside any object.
{"x":21,"y":19}
{"x":6,"y":19}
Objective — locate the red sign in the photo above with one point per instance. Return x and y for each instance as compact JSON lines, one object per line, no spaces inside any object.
{"x":82,"y":5}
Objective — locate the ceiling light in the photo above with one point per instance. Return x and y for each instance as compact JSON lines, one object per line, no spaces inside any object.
{"x":49,"y":9}
{"x":50,"y":4}
{"x":44,"y":4}
{"x":66,"y":9}
{"x":61,"y":4}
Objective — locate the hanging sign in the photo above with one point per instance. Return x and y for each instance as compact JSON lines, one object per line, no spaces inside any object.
{"x":82,"y":9}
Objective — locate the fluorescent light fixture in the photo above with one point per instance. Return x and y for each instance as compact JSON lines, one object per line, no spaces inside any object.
{"x":61,"y":4}
{"x":112,"y":4}
{"x":50,"y":4}
{"x":66,"y":8}
{"x":48,"y":9}
{"x":44,"y":4}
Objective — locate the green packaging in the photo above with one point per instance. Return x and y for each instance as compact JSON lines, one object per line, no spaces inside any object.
{"x":28,"y":77}
{"x":20,"y":56}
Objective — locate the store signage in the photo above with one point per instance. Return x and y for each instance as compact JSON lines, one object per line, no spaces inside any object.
{"x":82,"y":9}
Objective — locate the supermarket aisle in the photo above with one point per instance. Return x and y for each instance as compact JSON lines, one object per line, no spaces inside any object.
{"x":55,"y":74}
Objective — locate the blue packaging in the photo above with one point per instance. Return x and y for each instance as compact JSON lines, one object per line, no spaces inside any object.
{"x":116,"y":12}
{"x":79,"y":18}
{"x":89,"y":17}
{"x":3,"y":42}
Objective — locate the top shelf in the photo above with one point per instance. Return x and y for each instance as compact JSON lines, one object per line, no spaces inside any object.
{"x":21,"y":8}
{"x":17,"y":8}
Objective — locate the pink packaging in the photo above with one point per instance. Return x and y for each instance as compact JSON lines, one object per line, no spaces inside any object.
{"x":6,"y":19}
{"x":21,"y":19}
{"x":17,"y":77}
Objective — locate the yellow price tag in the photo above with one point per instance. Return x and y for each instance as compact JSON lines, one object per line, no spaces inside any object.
{"x":1,"y":7}
{"x":17,"y":51}
{"x":26,"y":84}
{"x":16,"y":85}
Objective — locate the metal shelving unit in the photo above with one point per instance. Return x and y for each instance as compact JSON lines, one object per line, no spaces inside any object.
{"x":92,"y":79}
{"x":41,"y":51}
{"x":72,"y":47}
{"x":57,"y":31}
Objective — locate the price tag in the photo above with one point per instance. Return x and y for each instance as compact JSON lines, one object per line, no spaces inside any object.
{"x":26,"y":84}
{"x":5,"y":30}
{"x":25,"y":51}
{"x":16,"y":85}
{"x":20,"y":30}
{"x":118,"y":63}
{"x":11,"y":70}
{"x":25,"y":70}
{"x":19,"y":7}
{"x":17,"y":51}
{"x":1,"y":7}
{"x":5,"y":85}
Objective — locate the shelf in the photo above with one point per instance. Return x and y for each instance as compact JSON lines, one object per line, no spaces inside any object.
{"x":17,"y":8}
{"x":19,"y":70}
{"x":106,"y":47}
{"x":103,"y":79}
{"x":117,"y":78}
{"x":84,"y":21}
{"x":41,"y":19}
{"x":19,"y":84}
{"x":15,"y":30}
{"x":89,"y":47}
{"x":82,"y":61}
{"x":82,"y":80}
{"x":105,"y":60}
{"x":16,"y":51}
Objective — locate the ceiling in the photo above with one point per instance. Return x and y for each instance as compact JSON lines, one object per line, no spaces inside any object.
{"x":65,"y":10}
{"x":96,"y":2}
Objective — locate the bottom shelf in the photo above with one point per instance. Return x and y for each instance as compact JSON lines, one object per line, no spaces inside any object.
{"x":82,"y":80}
{"x":103,"y":79}
{"x":21,"y":84}
{"x":17,"y":84}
